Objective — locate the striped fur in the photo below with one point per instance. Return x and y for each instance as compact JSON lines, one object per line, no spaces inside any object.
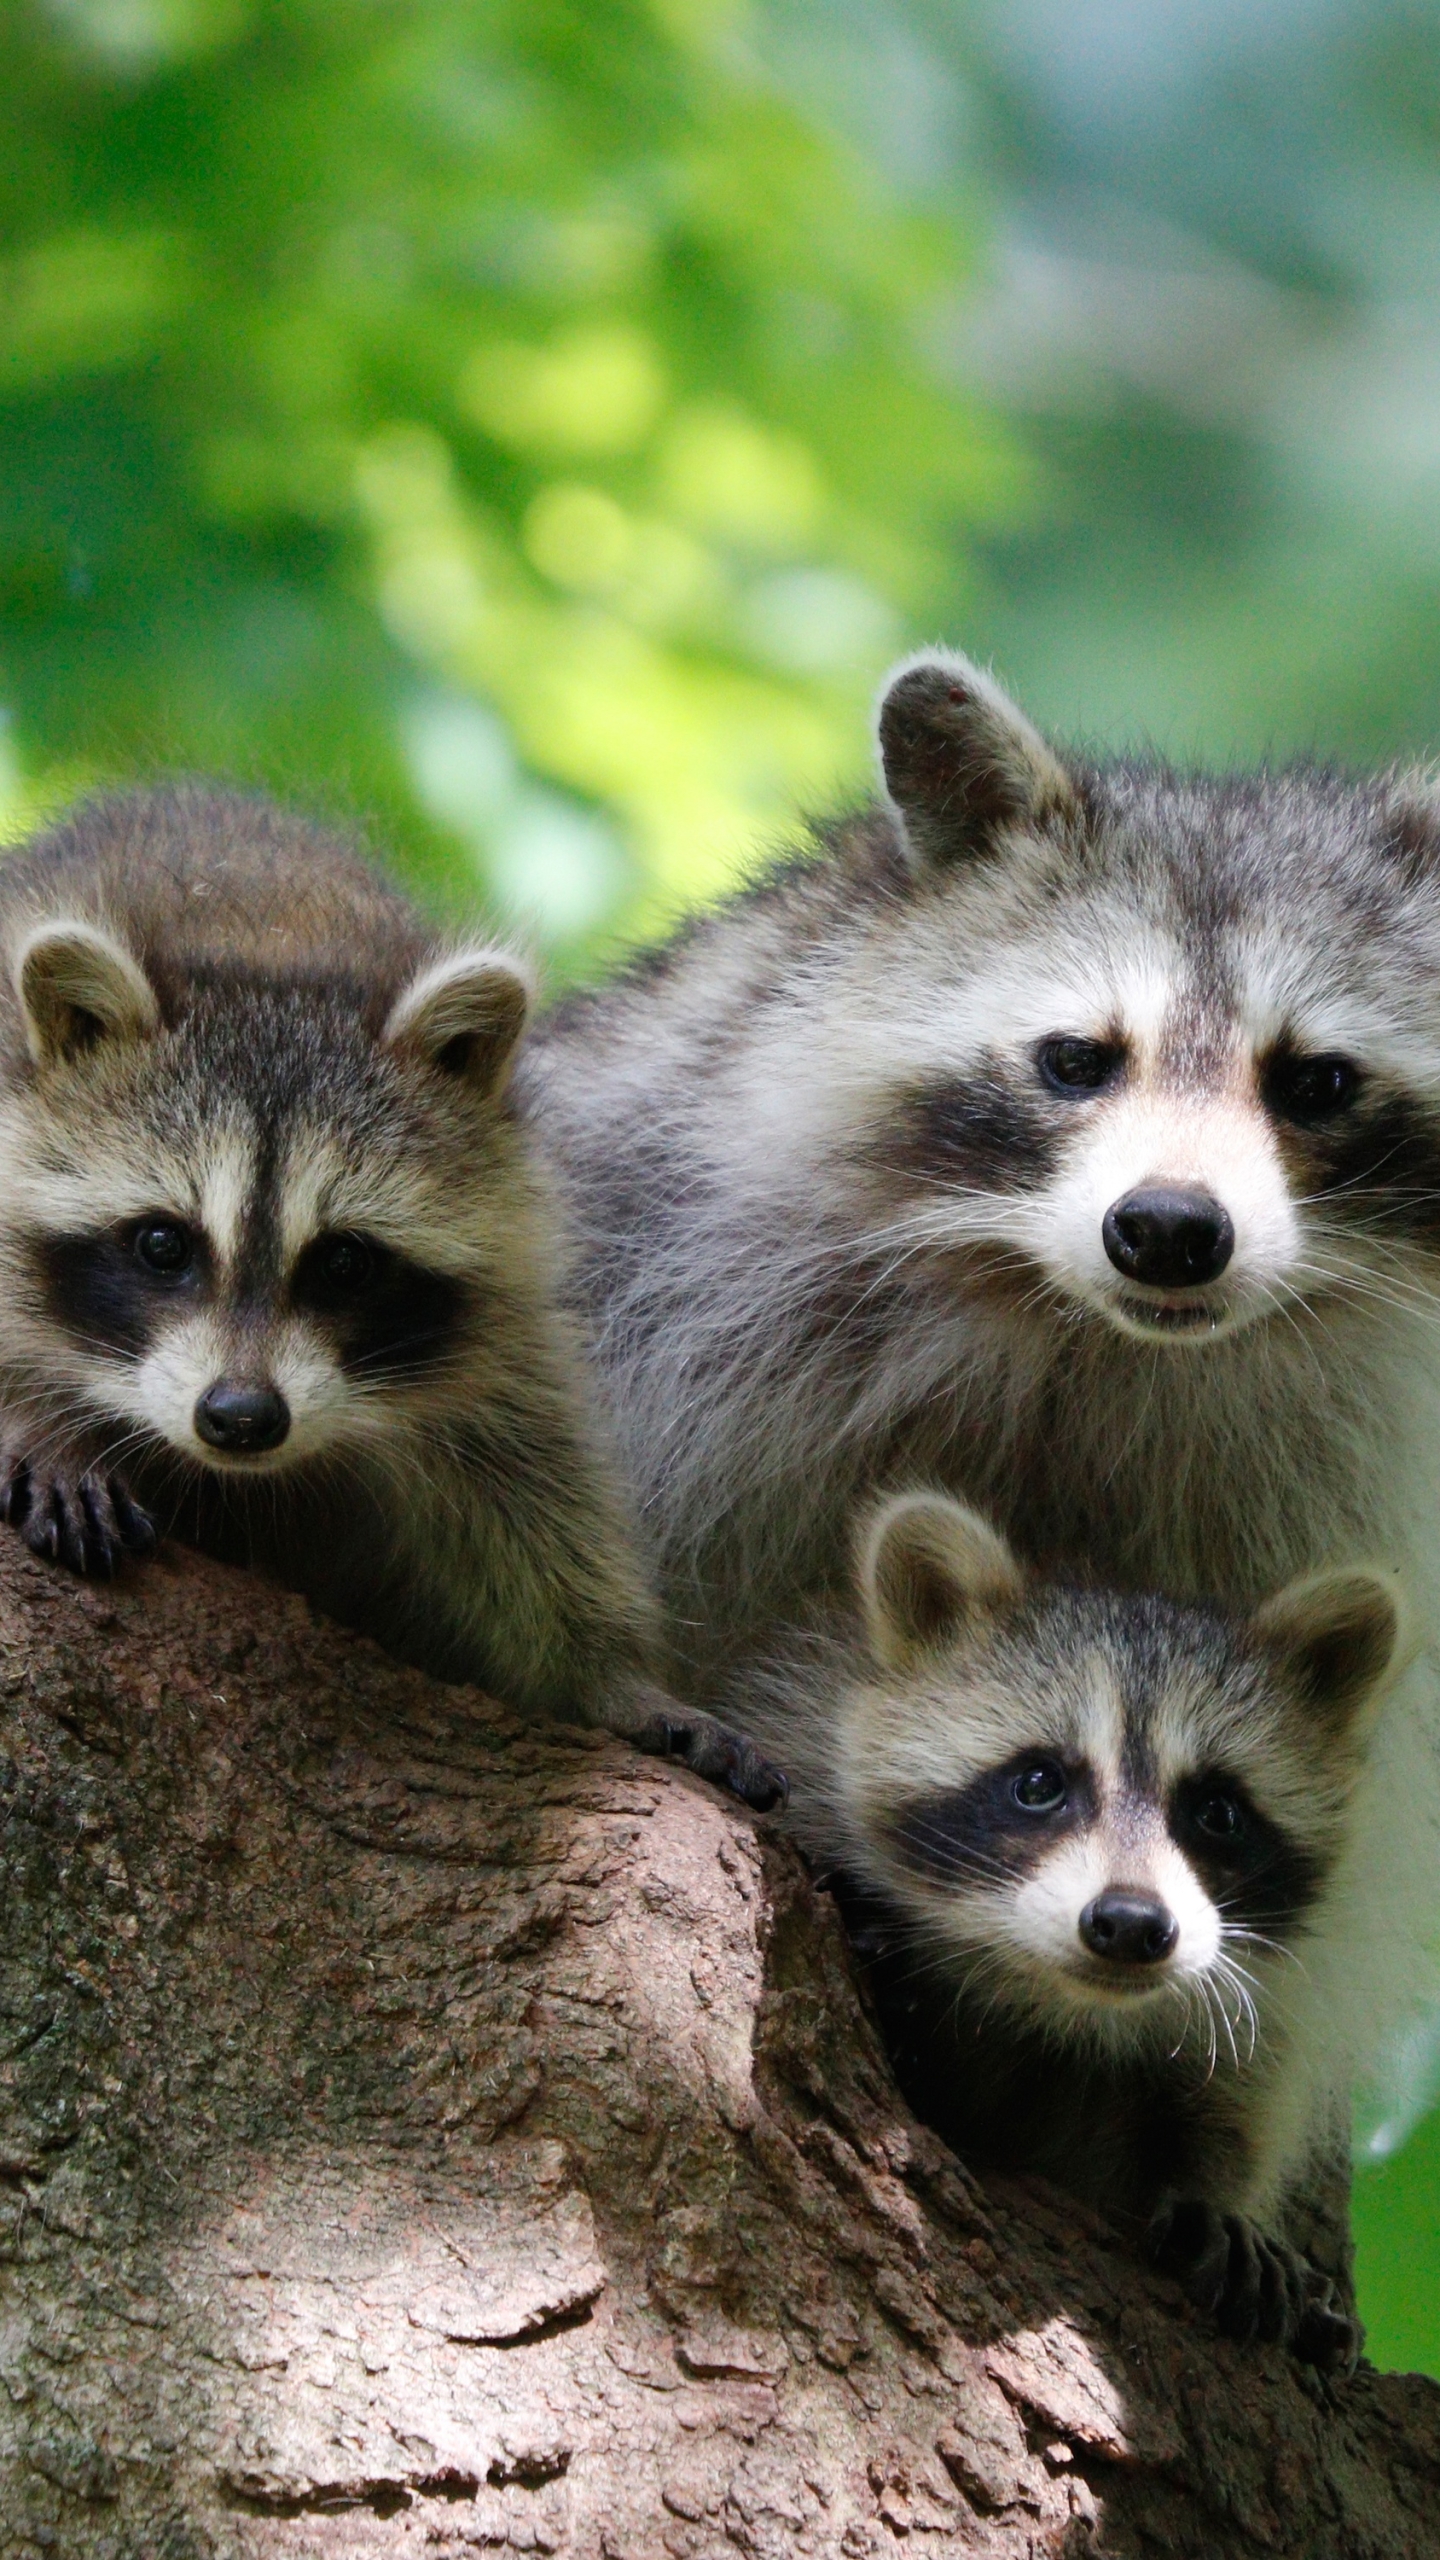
{"x":217,"y":1025}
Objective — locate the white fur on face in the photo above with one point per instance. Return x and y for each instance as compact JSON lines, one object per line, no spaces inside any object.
{"x":1042,"y":1923}
{"x":908,"y":1013}
{"x":1031,"y":1932}
{"x":208,"y":1183}
{"x":1018,"y":1929}
{"x":1219,"y":1144}
{"x":192,"y":1352}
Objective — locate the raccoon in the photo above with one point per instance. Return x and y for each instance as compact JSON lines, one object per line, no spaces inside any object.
{"x":1066,"y":1135}
{"x":1090,"y":1841}
{"x":279,"y":1274}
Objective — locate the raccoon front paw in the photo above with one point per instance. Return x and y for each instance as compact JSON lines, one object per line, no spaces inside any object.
{"x":1329,"y":2336}
{"x":714,"y":1752}
{"x":1253,"y":2286}
{"x":85,"y":1519}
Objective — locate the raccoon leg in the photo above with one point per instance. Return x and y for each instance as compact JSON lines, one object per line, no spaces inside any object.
{"x":1252,"y":2285}
{"x":672,"y":1732}
{"x":526,"y":1581}
{"x":82,"y":1517}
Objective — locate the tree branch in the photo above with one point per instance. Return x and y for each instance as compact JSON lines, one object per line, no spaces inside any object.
{"x":418,"y":2134}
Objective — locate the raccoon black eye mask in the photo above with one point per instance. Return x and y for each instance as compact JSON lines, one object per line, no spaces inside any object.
{"x":1088,"y":1842}
{"x":1008,"y":1821}
{"x":277,"y":1266}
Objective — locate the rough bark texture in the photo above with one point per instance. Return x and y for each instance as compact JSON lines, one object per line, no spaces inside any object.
{"x":417,"y":2135}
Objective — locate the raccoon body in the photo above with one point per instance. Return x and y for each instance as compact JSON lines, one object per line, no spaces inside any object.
{"x":1090,"y":1842}
{"x":279,"y":1273}
{"x":1066,"y":1136}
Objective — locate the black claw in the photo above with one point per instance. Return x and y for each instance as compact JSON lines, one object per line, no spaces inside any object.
{"x":1331,"y":2341}
{"x":725,"y":1758}
{"x":43,"y":1526}
{"x":86,"y":1523}
{"x":731,"y":1762}
{"x":138,"y":1533}
{"x":1190,"y":2242}
{"x":74,"y":1530}
{"x":1254,"y":2287}
{"x":1238,"y":2310}
{"x":102,"y":1547}
{"x":758,"y":1784}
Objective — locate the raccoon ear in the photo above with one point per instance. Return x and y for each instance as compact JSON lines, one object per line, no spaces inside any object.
{"x":1412,"y":824}
{"x":464,"y":1014}
{"x":77,"y":986}
{"x":928,"y":1564}
{"x":960,"y":762}
{"x":1342,"y":1635}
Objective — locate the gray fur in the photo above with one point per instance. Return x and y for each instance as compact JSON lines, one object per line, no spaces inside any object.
{"x":219,"y":1023}
{"x":836,"y":1237}
{"x":1178,"y":2096}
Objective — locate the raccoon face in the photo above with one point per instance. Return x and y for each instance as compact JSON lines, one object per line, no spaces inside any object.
{"x":1106,"y":1811}
{"x":257,"y":1233}
{"x":1193,"y":1078}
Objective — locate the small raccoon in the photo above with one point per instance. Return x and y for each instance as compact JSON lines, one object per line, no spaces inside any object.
{"x":1088,"y":1841}
{"x":1063,"y":1134}
{"x":278,"y":1273}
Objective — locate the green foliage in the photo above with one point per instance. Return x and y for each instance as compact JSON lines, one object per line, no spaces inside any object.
{"x":511,"y":418}
{"x":1397,"y":2255}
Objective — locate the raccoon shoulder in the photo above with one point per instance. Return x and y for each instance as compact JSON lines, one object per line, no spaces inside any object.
{"x":696,"y":995}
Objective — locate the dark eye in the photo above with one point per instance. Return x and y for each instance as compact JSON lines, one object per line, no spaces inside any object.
{"x":1307,"y":1090}
{"x":1040,"y":1787}
{"x":344,"y":1263}
{"x":164,"y":1247}
{"x":1219,"y":1816}
{"x":1078,"y":1066}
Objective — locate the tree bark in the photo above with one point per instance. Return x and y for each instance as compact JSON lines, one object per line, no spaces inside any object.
{"x":424,"y":2135}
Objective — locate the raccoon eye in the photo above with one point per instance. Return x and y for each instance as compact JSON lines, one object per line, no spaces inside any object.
{"x":1078,"y":1066}
{"x":1307,"y":1090}
{"x":164,"y":1247}
{"x":344,"y":1264}
{"x":1041,"y":1787}
{"x":1219,"y":1816}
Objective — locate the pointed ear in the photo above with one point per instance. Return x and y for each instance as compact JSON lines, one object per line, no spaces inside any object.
{"x":1342,"y":1635}
{"x":1412,"y":824}
{"x":78,"y":986}
{"x":464,"y":1015}
{"x":961,"y":763}
{"x":927,"y":1565}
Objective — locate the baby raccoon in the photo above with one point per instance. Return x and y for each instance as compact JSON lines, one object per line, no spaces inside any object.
{"x":278,"y":1274}
{"x":1092,"y":1840}
{"x":1066,"y":1135}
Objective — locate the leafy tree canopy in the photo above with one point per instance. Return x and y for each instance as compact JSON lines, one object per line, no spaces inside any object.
{"x":514,"y":417}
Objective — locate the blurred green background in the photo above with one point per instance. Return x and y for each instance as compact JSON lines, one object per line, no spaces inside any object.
{"x":530,"y":425}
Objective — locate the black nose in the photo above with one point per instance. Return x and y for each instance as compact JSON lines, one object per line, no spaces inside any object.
{"x":242,"y":1418}
{"x":1168,"y":1239}
{"x":1128,"y":1928}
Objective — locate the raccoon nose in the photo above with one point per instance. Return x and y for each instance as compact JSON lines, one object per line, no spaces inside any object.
{"x":245,"y":1419}
{"x":1169,"y":1239}
{"x":1128,"y":1928}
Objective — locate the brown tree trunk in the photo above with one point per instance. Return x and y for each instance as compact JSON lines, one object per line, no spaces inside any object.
{"x":418,"y":2135}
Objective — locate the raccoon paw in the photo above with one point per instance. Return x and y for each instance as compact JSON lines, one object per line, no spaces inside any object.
{"x":86,"y":1520}
{"x":1252,"y":2286}
{"x":1329,"y":2336}
{"x":714,"y":1752}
